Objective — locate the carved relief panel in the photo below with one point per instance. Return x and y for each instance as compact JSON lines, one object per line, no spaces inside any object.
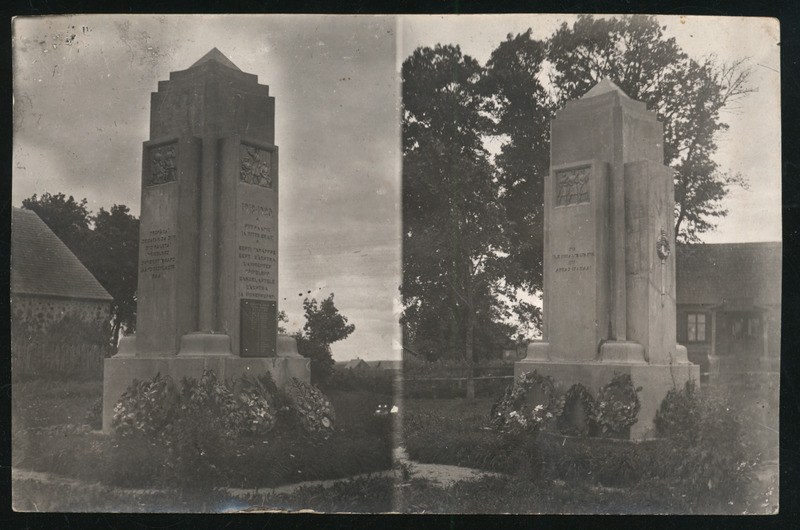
{"x":255,"y":166}
{"x":572,"y":186}
{"x":163,"y":167}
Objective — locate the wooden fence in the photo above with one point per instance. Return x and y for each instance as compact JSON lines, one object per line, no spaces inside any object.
{"x":450,"y":387}
{"x":58,"y":359}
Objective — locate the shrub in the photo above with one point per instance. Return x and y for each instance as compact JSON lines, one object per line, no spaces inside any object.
{"x":679,"y":413}
{"x":715,"y":461}
{"x":526,"y":405}
{"x":617,"y":406}
{"x":197,"y":426}
{"x":155,"y":408}
{"x":146,"y":408}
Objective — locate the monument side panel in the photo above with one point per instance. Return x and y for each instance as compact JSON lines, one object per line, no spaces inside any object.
{"x":177,"y":108}
{"x":578,"y":285}
{"x":642,"y":134}
{"x":583,"y":132}
{"x":167,"y":244}
{"x":574,"y":272}
{"x":249,"y":246}
{"x":650,"y":259}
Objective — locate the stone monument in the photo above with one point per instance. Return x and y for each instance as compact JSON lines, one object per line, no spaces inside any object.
{"x":208,"y":247}
{"x":609,"y":265}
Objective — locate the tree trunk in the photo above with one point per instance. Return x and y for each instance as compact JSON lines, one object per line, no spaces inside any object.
{"x":470,"y":355}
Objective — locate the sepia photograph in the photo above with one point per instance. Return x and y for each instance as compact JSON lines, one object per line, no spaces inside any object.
{"x":171,"y":351}
{"x":494,"y":264}
{"x":592,"y":245}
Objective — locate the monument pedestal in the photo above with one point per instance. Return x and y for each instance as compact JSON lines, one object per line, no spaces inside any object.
{"x":120,"y":370}
{"x":655,"y":379}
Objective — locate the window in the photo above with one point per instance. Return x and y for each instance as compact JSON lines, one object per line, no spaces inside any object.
{"x":746,"y":328}
{"x":696,"y":327}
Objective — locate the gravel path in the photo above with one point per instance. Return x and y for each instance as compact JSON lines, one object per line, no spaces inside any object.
{"x":441,"y":474}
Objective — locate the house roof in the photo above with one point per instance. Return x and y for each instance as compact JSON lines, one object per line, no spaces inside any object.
{"x":386,"y":365}
{"x":355,"y":363}
{"x":725,"y":273}
{"x":41,"y":264}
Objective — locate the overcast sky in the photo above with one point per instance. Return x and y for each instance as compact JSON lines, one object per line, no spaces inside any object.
{"x":82,"y":113}
{"x":752,"y":144}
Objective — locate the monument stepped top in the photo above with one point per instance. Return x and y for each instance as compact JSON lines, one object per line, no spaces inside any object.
{"x":217,"y":56}
{"x":603,"y":87}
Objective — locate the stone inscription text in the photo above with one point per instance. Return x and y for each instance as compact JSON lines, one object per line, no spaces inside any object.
{"x":257,"y":254}
{"x":158,"y":253}
{"x":572,"y":186}
{"x":572,"y":261}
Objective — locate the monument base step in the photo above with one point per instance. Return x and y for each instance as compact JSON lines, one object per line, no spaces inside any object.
{"x":196,"y":344}
{"x":120,"y":371}
{"x":655,"y":379}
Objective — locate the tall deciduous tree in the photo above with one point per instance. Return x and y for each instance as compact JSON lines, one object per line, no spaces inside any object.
{"x":521,"y":109}
{"x":114,"y":260}
{"x":324,"y":326}
{"x":452,"y":214}
{"x":688,"y":96}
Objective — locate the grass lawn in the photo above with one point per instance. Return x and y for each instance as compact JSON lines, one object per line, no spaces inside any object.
{"x":54,"y":430}
{"x":553,"y":473}
{"x":53,"y":433}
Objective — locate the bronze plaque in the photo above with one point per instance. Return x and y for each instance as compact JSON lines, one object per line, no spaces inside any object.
{"x":259,"y":330}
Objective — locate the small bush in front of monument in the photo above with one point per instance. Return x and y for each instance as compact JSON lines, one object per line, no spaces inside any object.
{"x":715,"y":464}
{"x":526,"y":406}
{"x":194,"y":427}
{"x":616,"y":407}
{"x":678,"y":415}
{"x":146,"y":408}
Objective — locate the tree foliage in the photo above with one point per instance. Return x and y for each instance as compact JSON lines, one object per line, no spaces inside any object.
{"x":688,"y":96}
{"x":521,"y":108}
{"x":324,"y":326}
{"x":453,"y":217}
{"x":107,"y":244}
{"x":114,"y":262}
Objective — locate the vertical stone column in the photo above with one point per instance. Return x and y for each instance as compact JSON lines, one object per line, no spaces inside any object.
{"x":167,"y":288}
{"x":249,"y":240}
